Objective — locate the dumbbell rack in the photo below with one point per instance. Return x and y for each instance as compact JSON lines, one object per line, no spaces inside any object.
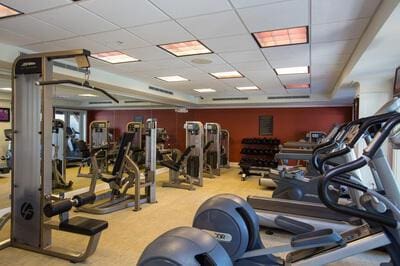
{"x":258,"y":156}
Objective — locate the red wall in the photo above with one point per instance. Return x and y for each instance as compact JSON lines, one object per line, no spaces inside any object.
{"x":289,"y":123}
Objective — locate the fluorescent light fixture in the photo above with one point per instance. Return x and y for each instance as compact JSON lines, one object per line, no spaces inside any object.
{"x":289,"y":36}
{"x":172,"y":78}
{"x":87,"y":95}
{"x":186,"y":48}
{"x":226,"y":75}
{"x":205,"y":90}
{"x":115,"y":57}
{"x":292,"y":70}
{"x":5,"y":89}
{"x":248,"y":88}
{"x":297,"y":86}
{"x":6,"y":11}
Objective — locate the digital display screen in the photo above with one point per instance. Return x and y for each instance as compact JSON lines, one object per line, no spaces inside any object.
{"x":396,"y":86}
{"x":4,"y":114}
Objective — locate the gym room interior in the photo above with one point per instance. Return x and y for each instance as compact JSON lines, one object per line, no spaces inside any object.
{"x":199,"y":132}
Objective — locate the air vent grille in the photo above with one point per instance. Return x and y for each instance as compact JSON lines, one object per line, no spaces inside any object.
{"x":161,"y":90}
{"x":289,"y":97}
{"x":103,"y":102}
{"x":231,"y":99}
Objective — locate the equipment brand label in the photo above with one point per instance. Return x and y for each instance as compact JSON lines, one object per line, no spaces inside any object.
{"x":223,"y":237}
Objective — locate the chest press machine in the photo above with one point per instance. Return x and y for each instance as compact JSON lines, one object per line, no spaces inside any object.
{"x":190,"y":163}
{"x":32,"y":201}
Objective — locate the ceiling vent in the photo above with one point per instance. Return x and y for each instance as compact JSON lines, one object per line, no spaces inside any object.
{"x":289,"y":97}
{"x":161,"y":90}
{"x":231,"y":99}
{"x":103,"y":102}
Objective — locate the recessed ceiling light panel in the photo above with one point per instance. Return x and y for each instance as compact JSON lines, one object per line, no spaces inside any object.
{"x":186,"y":48}
{"x":6,"y":11}
{"x":115,"y":57}
{"x":5,"y":89}
{"x":248,"y":88}
{"x":297,"y":86}
{"x":298,"y":35}
{"x":205,"y":90}
{"x":226,"y":75}
{"x":172,"y":78}
{"x":292,"y":70}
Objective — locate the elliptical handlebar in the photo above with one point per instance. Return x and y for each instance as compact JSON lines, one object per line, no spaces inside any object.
{"x":334,"y":175}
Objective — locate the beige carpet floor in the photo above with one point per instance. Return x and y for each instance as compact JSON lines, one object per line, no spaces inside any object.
{"x":130,"y":232}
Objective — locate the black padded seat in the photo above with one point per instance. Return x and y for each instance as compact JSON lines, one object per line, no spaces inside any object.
{"x":176,"y":166}
{"x":108,"y":178}
{"x":83,"y":226}
{"x":171,"y":165}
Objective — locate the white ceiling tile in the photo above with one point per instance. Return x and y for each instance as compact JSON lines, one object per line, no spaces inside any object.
{"x":31,"y":27}
{"x":9,"y":37}
{"x":237,"y":82}
{"x":248,"y":3}
{"x":276,"y":15}
{"x":333,"y":48}
{"x":242,"y":56}
{"x":215,"y":68}
{"x":75,"y":19}
{"x":138,"y":67}
{"x":33,"y":6}
{"x":172,"y":63}
{"x":231,"y":43}
{"x":325,"y":71}
{"x":214,"y":58}
{"x":288,"y":56}
{"x":126,"y":13}
{"x":44,"y":47}
{"x":328,"y":11}
{"x":252,"y":66}
{"x":162,"y":32}
{"x":118,"y":40}
{"x":214,"y":25}
{"x":322,"y":86}
{"x":81,"y":42}
{"x":330,"y":59}
{"x":286,"y":52}
{"x":346,"y":30}
{"x":149,"y":53}
{"x":189,"y":8}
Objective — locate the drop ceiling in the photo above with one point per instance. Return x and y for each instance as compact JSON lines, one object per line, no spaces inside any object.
{"x":136,"y":27}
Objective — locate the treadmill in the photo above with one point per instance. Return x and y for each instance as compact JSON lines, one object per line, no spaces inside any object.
{"x":299,"y":216}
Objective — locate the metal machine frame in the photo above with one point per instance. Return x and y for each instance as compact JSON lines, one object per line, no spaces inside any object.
{"x":59,"y":150}
{"x":212,"y":146}
{"x":194,"y":149}
{"x":225,"y":139}
{"x":137,"y":128}
{"x":127,"y":177}
{"x":31,"y":190}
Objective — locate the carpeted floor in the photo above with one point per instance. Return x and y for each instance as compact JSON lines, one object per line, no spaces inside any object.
{"x":130,"y":232}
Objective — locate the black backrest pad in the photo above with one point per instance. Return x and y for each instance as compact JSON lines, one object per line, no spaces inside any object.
{"x":185,"y":153}
{"x":127,"y":138}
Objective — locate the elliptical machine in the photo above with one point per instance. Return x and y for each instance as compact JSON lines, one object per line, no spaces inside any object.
{"x":234,"y":224}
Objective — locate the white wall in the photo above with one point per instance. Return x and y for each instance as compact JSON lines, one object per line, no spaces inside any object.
{"x":373,"y":93}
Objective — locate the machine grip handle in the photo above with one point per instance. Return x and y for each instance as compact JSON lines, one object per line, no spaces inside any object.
{"x":58,"y":207}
